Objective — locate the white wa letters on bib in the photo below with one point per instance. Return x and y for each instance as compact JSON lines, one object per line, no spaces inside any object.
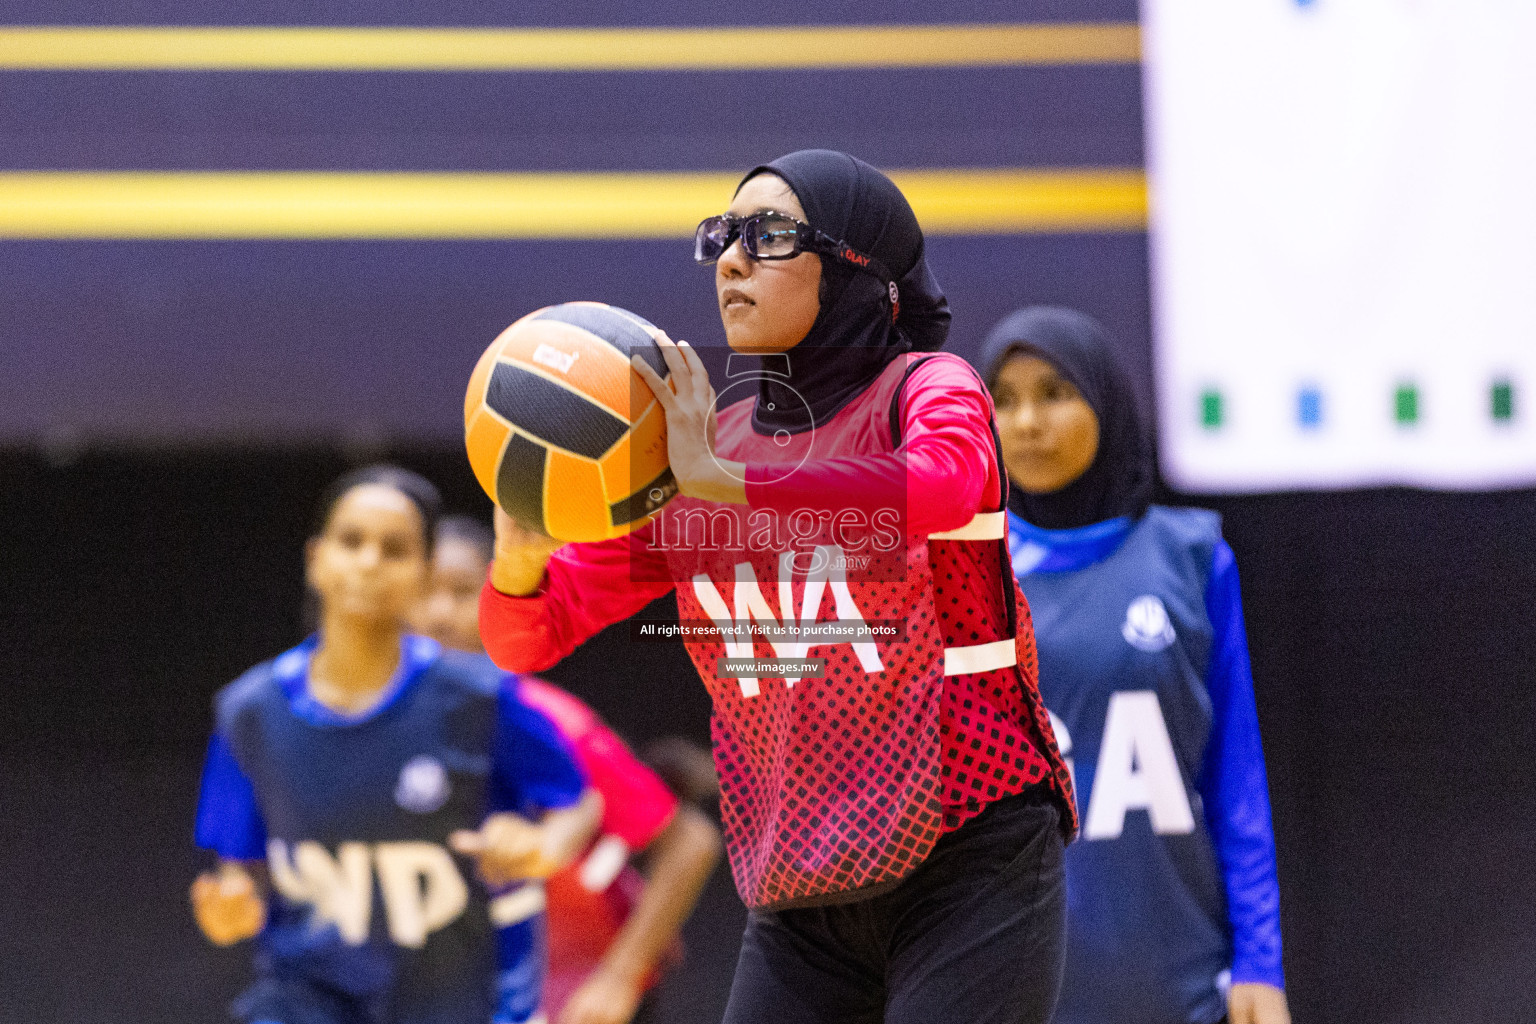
{"x":420,"y":885}
{"x":827,"y":570}
{"x":1137,"y":769}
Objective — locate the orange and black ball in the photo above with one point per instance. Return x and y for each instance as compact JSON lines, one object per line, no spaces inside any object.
{"x":561,"y":431}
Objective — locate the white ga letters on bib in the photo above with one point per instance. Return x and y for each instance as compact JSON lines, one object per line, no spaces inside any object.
{"x":1137,"y":770}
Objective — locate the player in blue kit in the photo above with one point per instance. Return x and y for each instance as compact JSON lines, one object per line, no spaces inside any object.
{"x":366,"y":790}
{"x":1173,"y":908}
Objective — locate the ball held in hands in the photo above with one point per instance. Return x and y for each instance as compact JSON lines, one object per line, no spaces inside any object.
{"x":559,"y":430}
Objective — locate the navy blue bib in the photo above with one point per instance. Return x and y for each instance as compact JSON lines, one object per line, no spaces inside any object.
{"x":372,"y":918}
{"x":1124,"y":645}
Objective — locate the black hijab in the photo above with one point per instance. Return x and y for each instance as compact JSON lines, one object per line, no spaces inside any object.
{"x":853,"y":338}
{"x":1119,"y":480}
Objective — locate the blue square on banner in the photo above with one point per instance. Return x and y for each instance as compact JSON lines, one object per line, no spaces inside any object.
{"x":1309,"y":407}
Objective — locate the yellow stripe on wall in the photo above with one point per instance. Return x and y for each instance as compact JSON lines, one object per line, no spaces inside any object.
{"x":170,"y":48}
{"x":993,"y":202}
{"x":530,"y":205}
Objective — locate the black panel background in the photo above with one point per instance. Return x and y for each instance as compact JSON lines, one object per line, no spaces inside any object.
{"x":639,"y":504}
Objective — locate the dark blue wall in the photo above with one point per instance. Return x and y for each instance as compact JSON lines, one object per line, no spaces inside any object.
{"x":273,"y":341}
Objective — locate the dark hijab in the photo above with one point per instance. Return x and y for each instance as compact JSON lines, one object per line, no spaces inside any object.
{"x":853,"y":338}
{"x":1119,"y":480}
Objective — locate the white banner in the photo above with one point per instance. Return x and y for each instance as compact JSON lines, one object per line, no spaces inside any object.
{"x":1343,"y":241}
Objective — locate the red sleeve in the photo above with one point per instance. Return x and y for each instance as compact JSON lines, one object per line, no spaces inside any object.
{"x":637,"y":805}
{"x":942,"y":475}
{"x":586,"y":587}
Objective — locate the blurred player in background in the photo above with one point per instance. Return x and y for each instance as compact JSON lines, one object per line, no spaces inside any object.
{"x":356,"y":766}
{"x":1173,"y":903}
{"x":611,"y":931}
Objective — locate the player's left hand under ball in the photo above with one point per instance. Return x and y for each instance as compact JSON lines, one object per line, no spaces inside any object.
{"x":688,"y":400}
{"x":517,"y":565}
{"x":508,"y":847}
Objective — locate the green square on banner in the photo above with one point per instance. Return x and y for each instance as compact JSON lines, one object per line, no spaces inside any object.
{"x":1210,"y":408}
{"x":1502,"y":398}
{"x":1406,"y":404}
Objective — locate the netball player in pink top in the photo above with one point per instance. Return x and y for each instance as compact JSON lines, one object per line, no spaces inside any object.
{"x":894,"y":805}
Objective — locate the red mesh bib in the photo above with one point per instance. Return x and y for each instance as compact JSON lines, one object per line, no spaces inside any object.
{"x":844,"y":782}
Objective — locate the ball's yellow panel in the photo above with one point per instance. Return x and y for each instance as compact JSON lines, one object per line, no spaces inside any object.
{"x":484,"y":438}
{"x":574,"y":508}
{"x":639,"y":457}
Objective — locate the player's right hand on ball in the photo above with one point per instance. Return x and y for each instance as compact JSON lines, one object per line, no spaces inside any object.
{"x":227,"y":905}
{"x":521,"y":555}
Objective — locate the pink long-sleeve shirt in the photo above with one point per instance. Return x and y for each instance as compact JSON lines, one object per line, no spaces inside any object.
{"x":939,"y":476}
{"x":943,"y":473}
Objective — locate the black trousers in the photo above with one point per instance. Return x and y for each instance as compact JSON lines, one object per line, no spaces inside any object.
{"x":974,"y":935}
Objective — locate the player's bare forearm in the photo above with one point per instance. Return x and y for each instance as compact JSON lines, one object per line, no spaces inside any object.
{"x":568,"y":831}
{"x":682,"y":858}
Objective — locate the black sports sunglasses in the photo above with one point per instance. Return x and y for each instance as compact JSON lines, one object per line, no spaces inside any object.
{"x":776,"y":236}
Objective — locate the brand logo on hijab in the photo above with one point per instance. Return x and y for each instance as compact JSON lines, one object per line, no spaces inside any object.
{"x":423,"y":785}
{"x":858,"y":259}
{"x":1146,"y":626}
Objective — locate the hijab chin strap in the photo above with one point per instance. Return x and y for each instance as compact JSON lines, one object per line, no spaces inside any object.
{"x":866,"y":319}
{"x":1119,"y":480}
{"x":738,"y":364}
